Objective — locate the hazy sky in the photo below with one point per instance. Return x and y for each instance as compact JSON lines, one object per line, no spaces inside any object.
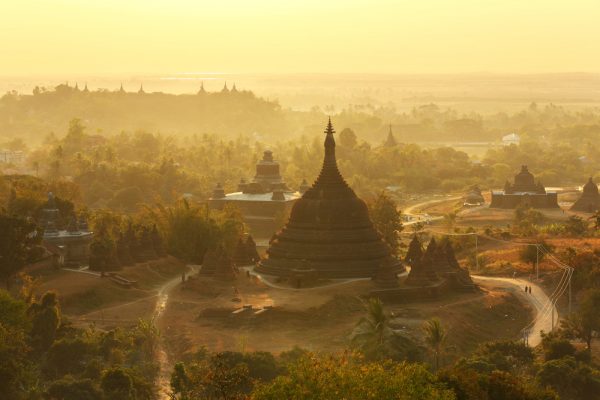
{"x":285,"y":36}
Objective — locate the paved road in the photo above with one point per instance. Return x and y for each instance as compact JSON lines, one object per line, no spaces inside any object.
{"x":538,"y":299}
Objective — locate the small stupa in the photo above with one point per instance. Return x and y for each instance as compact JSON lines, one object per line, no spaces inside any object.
{"x":590,"y":199}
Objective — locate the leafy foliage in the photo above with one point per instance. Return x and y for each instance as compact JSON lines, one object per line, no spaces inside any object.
{"x":349,"y":378}
{"x":387,"y":220}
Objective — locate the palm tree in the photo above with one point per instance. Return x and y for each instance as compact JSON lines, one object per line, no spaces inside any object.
{"x":435,"y":337}
{"x":373,"y":331}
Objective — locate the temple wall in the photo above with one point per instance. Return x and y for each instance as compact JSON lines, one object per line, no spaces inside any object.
{"x":77,"y":249}
{"x":512,"y":201}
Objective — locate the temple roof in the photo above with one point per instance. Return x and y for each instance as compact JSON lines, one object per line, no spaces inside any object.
{"x":590,"y":187}
{"x":524,"y":177}
{"x":589,"y":200}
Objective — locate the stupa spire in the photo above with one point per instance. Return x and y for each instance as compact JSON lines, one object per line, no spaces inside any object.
{"x":391,"y":140}
{"x":330,"y":175}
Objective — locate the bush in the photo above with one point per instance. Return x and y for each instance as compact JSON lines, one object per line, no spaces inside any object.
{"x":68,"y":388}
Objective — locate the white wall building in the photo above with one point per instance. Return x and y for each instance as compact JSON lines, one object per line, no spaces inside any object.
{"x":511,"y":138}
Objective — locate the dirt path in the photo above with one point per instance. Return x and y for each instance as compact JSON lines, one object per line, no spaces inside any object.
{"x":337,"y":282}
{"x":165,"y":367}
{"x":418,"y":216}
{"x":538,"y":299}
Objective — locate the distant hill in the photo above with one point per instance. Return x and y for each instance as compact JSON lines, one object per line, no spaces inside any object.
{"x":228,"y":113}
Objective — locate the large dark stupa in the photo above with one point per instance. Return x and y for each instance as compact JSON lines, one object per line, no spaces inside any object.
{"x":329,"y":232}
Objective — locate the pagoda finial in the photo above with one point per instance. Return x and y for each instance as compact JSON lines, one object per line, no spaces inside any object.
{"x":329,"y":140}
{"x":141,"y":91}
{"x":391,"y":140}
{"x":201,"y":87}
{"x":225,"y":89}
{"x":329,"y":130}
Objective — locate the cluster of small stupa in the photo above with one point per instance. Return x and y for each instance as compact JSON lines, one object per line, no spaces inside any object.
{"x":219,"y":264}
{"x":435,"y":264}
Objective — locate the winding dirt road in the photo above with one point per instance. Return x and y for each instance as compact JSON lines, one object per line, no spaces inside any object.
{"x":419,"y":217}
{"x":538,"y":300}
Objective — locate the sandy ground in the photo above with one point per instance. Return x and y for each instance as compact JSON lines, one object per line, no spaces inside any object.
{"x":86,"y":298}
{"x":200,"y":314}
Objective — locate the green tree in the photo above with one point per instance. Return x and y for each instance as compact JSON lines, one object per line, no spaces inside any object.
{"x":556,"y":346}
{"x":527,"y":219}
{"x":330,"y":378}
{"x":586,"y":320}
{"x":571,"y":379}
{"x":18,"y":236}
{"x":450,"y":220}
{"x":348,"y":138}
{"x":576,"y":226}
{"x":45,"y":317}
{"x":14,"y":350}
{"x":116,"y":384}
{"x":220,"y":378}
{"x":373,"y":331}
{"x":68,"y":388}
{"x":387,"y":220}
{"x":532,"y":255}
{"x":67,"y":356}
{"x":435,"y":338}
{"x":596,"y":218}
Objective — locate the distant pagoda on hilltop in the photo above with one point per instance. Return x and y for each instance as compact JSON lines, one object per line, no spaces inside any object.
{"x":329,"y":232}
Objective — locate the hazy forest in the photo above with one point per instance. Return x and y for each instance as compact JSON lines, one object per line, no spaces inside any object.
{"x":319,"y":200}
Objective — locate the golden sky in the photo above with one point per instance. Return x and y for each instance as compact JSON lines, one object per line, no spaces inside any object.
{"x":287,"y":36}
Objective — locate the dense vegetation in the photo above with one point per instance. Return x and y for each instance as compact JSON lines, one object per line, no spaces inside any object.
{"x":43,"y":356}
{"x":121,"y":172}
{"x":227,"y":115}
